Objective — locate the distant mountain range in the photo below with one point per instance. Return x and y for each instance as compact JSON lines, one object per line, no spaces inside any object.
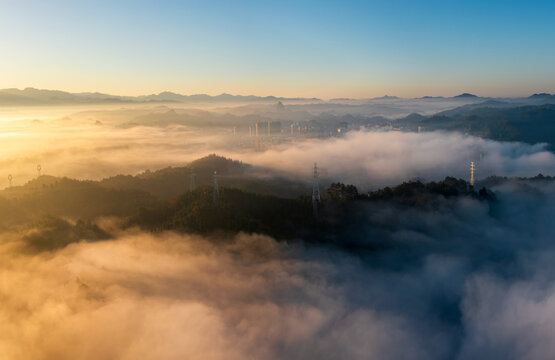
{"x":31,"y":96}
{"x":463,"y":96}
{"x":386,"y":97}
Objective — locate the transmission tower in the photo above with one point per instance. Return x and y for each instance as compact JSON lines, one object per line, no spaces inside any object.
{"x":10,"y":178}
{"x":472,"y":169}
{"x":315,"y":191}
{"x":216,"y":188}
{"x":192,"y":180}
{"x":39,"y":168}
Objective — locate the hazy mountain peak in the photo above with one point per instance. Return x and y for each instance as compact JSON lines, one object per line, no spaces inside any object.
{"x":465,"y":95}
{"x":385,"y":97}
{"x":541,"y":96}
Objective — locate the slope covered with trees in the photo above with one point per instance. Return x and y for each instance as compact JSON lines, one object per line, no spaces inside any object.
{"x":529,"y":124}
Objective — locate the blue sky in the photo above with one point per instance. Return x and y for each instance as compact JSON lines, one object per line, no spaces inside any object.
{"x":287,"y":48}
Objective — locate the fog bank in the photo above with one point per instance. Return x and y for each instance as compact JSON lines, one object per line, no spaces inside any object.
{"x":466,"y":281}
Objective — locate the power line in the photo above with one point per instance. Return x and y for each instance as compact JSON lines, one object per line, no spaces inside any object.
{"x":315,"y":191}
{"x":472,"y":169}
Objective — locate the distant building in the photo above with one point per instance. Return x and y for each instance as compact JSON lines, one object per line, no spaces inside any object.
{"x":268,"y":128}
{"x":342,"y":128}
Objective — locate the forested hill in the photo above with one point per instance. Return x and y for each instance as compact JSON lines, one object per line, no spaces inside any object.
{"x":529,"y":124}
{"x":341,"y":210}
{"x":50,"y":206}
{"x":171,"y":182}
{"x":123,"y":195}
{"x":70,"y":198}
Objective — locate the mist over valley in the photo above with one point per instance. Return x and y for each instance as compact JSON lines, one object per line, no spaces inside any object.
{"x":274,"y":180}
{"x":123,"y":219}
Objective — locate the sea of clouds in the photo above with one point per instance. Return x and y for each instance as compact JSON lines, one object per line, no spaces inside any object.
{"x":467,"y":279}
{"x":368,"y":159}
{"x":471,"y":280}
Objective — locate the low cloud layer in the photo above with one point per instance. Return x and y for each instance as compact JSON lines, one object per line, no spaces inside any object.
{"x":176,"y":297}
{"x":383,"y":158}
{"x":467,"y":279}
{"x":470,"y":280}
{"x":88,"y":151}
{"x":79,"y":147}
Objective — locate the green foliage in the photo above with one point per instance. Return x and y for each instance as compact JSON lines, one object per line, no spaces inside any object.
{"x":52,"y":233}
{"x":342,"y":207}
{"x":340,"y":192}
{"x":415,"y":193}
{"x":234,"y":211}
{"x":171,"y":182}
{"x":69,"y":198}
{"x":530,"y":124}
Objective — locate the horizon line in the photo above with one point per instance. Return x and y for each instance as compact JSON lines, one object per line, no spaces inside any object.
{"x":382,"y":97}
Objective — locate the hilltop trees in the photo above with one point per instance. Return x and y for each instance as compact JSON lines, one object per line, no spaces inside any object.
{"x":340,"y":192}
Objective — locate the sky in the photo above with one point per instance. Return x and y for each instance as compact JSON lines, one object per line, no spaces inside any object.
{"x":320,"y":49}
